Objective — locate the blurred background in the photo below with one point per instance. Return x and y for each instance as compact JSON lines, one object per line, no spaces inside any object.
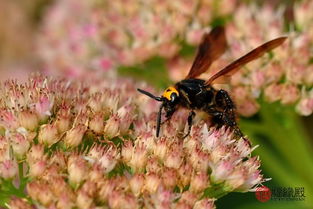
{"x":155,"y":41}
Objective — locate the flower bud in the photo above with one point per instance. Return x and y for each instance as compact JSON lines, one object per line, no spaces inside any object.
{"x":43,"y":106}
{"x":111,"y":101}
{"x":107,"y":162}
{"x":139,"y":157}
{"x":148,"y":139}
{"x":194,"y":36}
{"x":272,"y":92}
{"x":37,"y":168}
{"x":254,"y":178}
{"x":63,"y":120}
{"x":290,"y":94}
{"x":161,"y":148}
{"x":182,"y":205}
{"x":204,"y":204}
{"x":83,"y":200}
{"x":40,"y":191}
{"x":125,"y":114}
{"x":106,"y":189}
{"x":48,"y":134}
{"x":115,"y":199}
{"x":8,"y":119}
{"x":19,"y":144}
{"x":96,"y":173}
{"x":95,"y":102}
{"x":221,"y":171}
{"x":243,"y":148}
{"x":58,"y":159}
{"x":19,"y":203}
{"x":305,"y":106}
{"x":8,"y":169}
{"x":235,"y":179}
{"x":136,"y":184}
{"x":169,"y":178}
{"x":111,"y":128}
{"x":248,"y":107}
{"x":127,"y":151}
{"x":199,"y":182}
{"x":199,"y":160}
{"x":77,"y":169}
{"x":173,"y":158}
{"x":184,"y":172}
{"x":153,"y":165}
{"x":152,"y":182}
{"x":36,"y":153}
{"x":96,"y":123}
{"x":59,"y":186}
{"x":162,"y":198}
{"x":65,"y":202}
{"x":28,"y":120}
{"x":125,"y":124}
{"x":188,"y":197}
{"x":74,"y":136}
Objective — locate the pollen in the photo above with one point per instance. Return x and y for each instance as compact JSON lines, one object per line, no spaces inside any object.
{"x":168,"y":92}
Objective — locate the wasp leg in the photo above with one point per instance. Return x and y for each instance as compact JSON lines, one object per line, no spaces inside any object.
{"x":224,"y":101}
{"x":228,"y":116}
{"x":190,"y":118}
{"x":168,"y":116}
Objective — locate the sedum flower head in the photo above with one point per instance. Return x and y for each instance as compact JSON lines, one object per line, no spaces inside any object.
{"x":283,"y":75}
{"x":97,"y":36}
{"x":104,"y":153}
{"x":103,"y":35}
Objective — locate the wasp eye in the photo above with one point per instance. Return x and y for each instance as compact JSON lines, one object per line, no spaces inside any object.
{"x":173,"y":97}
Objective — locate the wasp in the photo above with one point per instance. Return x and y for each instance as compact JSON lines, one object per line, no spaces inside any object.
{"x":199,"y":95}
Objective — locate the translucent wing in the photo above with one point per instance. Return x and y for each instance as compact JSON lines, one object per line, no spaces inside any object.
{"x":212,"y":46}
{"x":252,"y":55}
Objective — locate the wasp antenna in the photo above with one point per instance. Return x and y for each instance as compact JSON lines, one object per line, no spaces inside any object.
{"x":159,"y":120}
{"x":150,"y":95}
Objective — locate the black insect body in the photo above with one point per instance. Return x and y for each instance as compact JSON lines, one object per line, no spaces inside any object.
{"x":196,"y":94}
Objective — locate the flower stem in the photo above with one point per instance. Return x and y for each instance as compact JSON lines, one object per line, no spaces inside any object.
{"x":215,"y":191}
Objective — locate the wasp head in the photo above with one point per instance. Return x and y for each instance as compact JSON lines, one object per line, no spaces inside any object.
{"x":169,"y":99}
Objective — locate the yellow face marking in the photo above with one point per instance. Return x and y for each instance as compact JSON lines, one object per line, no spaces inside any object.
{"x":168,"y":92}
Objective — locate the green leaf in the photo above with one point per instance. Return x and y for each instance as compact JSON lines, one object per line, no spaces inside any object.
{"x":154,"y":71}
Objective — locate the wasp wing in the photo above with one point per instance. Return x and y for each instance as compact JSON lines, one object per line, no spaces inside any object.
{"x":212,"y":46}
{"x":252,"y":55}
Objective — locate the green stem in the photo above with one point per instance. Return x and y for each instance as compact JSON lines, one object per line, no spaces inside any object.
{"x":8,"y":189}
{"x":215,"y":191}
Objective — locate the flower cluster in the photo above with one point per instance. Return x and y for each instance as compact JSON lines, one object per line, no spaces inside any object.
{"x":92,"y":145}
{"x":288,"y":77}
{"x":99,"y":36}
{"x":285,"y":75}
{"x":96,"y":36}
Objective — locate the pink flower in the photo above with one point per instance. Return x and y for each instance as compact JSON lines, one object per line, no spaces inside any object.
{"x":48,"y":134}
{"x":44,"y":105}
{"x":74,"y":136}
{"x":8,"y":169}
{"x":305,"y":106}
{"x":136,"y":184}
{"x":28,"y":119}
{"x":20,"y":144}
{"x":77,"y":170}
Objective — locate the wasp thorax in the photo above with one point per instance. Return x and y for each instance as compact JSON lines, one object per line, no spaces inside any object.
{"x":170,"y":93}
